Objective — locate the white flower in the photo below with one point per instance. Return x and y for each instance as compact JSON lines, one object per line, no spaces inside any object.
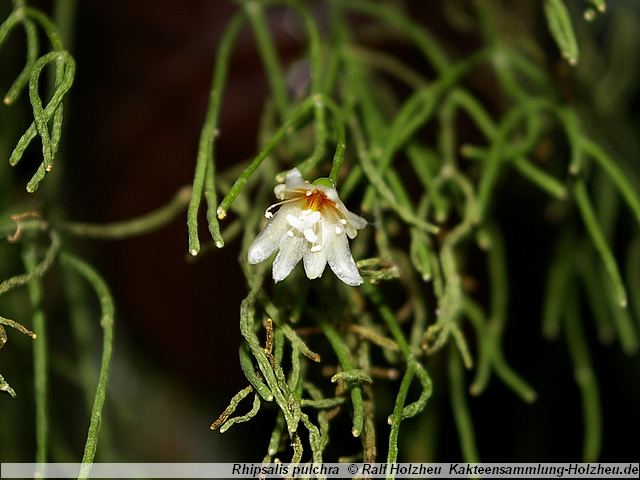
{"x":312,"y":224}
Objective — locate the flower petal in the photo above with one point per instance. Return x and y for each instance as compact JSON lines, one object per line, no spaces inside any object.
{"x":315,"y":261}
{"x":268,"y":241}
{"x":291,"y":249}
{"x":341,"y":261}
{"x":356,"y":220}
{"x":294,"y":180}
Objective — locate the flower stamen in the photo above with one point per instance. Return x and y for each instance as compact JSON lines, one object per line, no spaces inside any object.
{"x":269,"y":214}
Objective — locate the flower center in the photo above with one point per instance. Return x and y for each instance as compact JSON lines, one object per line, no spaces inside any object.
{"x":316,"y":200}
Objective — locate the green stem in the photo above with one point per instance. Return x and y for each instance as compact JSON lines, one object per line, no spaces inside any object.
{"x":315,"y":58}
{"x":204,"y":176}
{"x":107,"y":309}
{"x":461,"y":413}
{"x":342,"y":352}
{"x":599,"y":242}
{"x":64,"y":15}
{"x":289,"y":126}
{"x":138,"y":226}
{"x":341,"y":142}
{"x":391,"y":15}
{"x":47,"y":25}
{"x":274,"y":377}
{"x":39,"y":269}
{"x":18,"y":326}
{"x":396,"y":417}
{"x":5,"y":387}
{"x":617,"y":176}
{"x":21,"y":80}
{"x":585,"y":378}
{"x":249,"y":371}
{"x":378,"y":182}
{"x":82,"y":322}
{"x":559,"y":23}
{"x":266,"y":46}
{"x":40,"y":355}
{"x":557,"y":285}
{"x":528,"y":109}
{"x":398,"y":335}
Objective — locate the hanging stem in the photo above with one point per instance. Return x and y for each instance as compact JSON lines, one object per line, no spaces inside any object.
{"x":107,"y":309}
